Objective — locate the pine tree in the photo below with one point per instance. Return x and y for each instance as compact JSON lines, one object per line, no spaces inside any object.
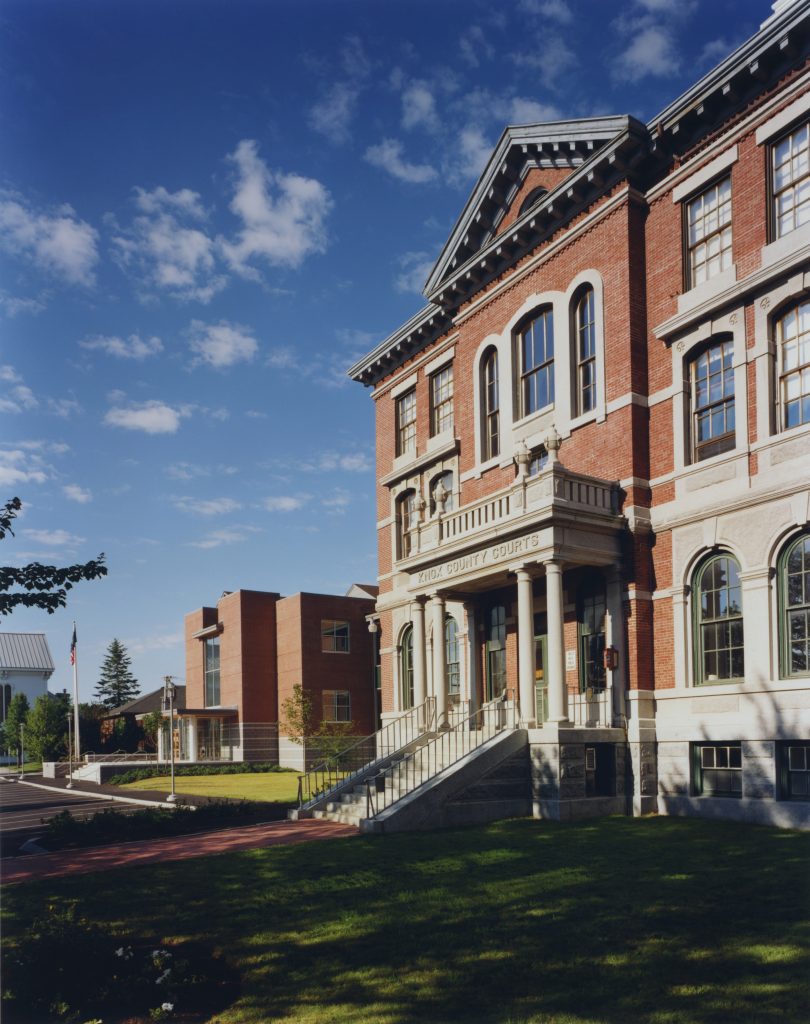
{"x":117,"y":684}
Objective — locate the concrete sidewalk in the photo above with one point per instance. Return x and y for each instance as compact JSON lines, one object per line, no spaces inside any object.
{"x":151,"y":851}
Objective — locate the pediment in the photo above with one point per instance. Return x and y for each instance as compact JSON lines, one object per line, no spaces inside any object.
{"x":527,"y":160}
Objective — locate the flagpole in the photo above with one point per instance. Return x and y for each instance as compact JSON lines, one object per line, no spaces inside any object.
{"x":78,"y":744}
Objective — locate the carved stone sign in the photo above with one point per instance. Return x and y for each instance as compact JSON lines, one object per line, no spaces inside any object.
{"x":503,"y":551}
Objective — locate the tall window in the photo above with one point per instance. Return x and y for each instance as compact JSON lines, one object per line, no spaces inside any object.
{"x":211,"y":659}
{"x":452,"y":659}
{"x":491,"y":406}
{"x":536,"y":359}
{"x":719,"y":622}
{"x":791,"y":181}
{"x":407,"y":520}
{"x":441,"y":401}
{"x":794,"y":770}
{"x":406,"y":423}
{"x":709,"y":232}
{"x":793,"y":341}
{"x":712,"y":386}
{"x":496,"y":653}
{"x":446,"y":482}
{"x":794,"y":593}
{"x":585,"y":340}
{"x":334,"y":636}
{"x":592,"y":608}
{"x":336,"y":706}
{"x":406,"y":668}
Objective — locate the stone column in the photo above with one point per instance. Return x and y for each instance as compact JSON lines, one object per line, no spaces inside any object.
{"x":419,"y":664}
{"x":526,"y":647}
{"x":439,"y":666}
{"x":557,"y":697}
{"x":473,"y":661}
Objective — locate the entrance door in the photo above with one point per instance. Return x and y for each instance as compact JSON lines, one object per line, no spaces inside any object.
{"x":496,"y":653}
{"x":540,"y":662}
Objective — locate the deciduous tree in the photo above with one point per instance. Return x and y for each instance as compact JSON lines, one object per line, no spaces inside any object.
{"x":46,"y":727}
{"x":36,"y":585}
{"x":17,"y":713}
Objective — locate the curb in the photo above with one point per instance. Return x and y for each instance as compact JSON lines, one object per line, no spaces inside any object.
{"x":107,"y":796}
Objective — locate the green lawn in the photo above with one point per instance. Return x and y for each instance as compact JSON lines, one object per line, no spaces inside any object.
{"x":275,"y":787}
{"x":651,"y":921}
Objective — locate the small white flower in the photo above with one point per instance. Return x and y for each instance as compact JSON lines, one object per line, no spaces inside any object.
{"x":163,"y":976}
{"x":119,"y":952}
{"x":167,"y":1006}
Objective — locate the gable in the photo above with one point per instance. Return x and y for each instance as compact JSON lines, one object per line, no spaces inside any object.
{"x":546,"y":154}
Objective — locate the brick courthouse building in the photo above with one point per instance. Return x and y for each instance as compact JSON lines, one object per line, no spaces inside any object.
{"x":593,"y":452}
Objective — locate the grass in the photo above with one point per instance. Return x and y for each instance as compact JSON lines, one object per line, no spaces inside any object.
{"x":660,"y":921}
{"x":271,"y":787}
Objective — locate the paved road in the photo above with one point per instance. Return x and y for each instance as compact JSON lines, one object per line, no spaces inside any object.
{"x":23,"y":809}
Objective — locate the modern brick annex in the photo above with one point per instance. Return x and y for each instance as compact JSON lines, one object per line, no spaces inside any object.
{"x":244,"y":657}
{"x":593,"y":451}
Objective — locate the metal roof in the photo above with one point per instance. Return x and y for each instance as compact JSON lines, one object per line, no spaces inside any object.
{"x":25,"y":651}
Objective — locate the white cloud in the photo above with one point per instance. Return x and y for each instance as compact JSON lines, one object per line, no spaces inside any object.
{"x":651,"y":52}
{"x":332,"y":115}
{"x":159,"y":642}
{"x":414,"y":268}
{"x":14,"y":305}
{"x":22,"y":465}
{"x":338,"y":502}
{"x":285,"y":503}
{"x":209,"y":507}
{"x":388,"y":156}
{"x":150,"y":417}
{"x":191,"y":470}
{"x":255,"y":414}
{"x":349,"y":462}
{"x":283,"y":215}
{"x":551,"y":58}
{"x":475,"y":47}
{"x":78,"y":494}
{"x":419,"y":107}
{"x":219,"y":538}
{"x":473,"y":152}
{"x":222,"y":344}
{"x":165,"y":254}
{"x":133,"y":347}
{"x":59,"y":243}
{"x":8,"y":373}
{"x":282,"y":358}
{"x":54,"y":538}
{"x":555,"y":10}
{"x":524,"y":111}
{"x":63,"y":407}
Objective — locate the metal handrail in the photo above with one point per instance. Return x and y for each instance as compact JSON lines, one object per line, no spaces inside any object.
{"x":320,"y":781}
{"x":438,"y":753}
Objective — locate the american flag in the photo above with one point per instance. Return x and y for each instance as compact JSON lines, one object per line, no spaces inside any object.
{"x":73,"y":648}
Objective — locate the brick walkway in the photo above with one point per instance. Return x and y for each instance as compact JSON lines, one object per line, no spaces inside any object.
{"x":151,"y":851}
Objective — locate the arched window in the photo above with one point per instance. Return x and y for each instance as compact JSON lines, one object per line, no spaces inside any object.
{"x":532,"y":199}
{"x":592,"y":605}
{"x":793,"y":342}
{"x":496,"y":652}
{"x":794,"y":607}
{"x":451,"y":649}
{"x":490,"y":406}
{"x":406,"y":668}
{"x":584,"y":317}
{"x":711,"y":385}
{"x":535,"y":343}
{"x":719,"y":653}
{"x":446,"y":481}
{"x":406,"y":523}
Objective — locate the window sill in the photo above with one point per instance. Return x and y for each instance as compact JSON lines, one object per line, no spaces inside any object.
{"x":708,"y":289}
{"x":782,"y":247}
{"x":409,"y":465}
{"x":533,"y":418}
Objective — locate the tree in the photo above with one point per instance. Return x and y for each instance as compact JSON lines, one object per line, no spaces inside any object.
{"x":296,"y":714}
{"x":16,"y":715}
{"x":39,"y":586}
{"x":46,"y":727}
{"x":117,"y":684}
{"x":151,"y":725}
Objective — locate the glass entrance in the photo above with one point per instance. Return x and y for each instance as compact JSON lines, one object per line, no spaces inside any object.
{"x":496,"y":653}
{"x":540,"y":662}
{"x":209,"y":739}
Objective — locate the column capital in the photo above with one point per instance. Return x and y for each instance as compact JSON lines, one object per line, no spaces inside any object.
{"x":553,"y":565}
{"x":437,"y":597}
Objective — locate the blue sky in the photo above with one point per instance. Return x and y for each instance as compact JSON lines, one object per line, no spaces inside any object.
{"x":208,"y":211}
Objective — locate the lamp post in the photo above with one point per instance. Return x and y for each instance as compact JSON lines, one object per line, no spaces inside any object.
{"x":22,"y":752}
{"x":169,"y":692}
{"x":70,"y":751}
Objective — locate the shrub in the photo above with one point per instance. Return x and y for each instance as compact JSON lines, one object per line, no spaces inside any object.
{"x":67,"y":969}
{"x":234,"y":768}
